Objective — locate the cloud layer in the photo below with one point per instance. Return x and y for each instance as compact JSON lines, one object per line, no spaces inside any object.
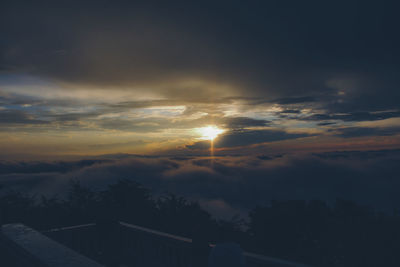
{"x":227,"y":185}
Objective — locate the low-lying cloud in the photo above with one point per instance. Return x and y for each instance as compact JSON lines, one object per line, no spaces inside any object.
{"x":233,"y":184}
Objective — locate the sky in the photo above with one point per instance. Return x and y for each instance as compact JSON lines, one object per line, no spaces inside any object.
{"x":282,"y":81}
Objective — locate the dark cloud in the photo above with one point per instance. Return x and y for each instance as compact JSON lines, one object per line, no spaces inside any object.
{"x":12,"y":116}
{"x":247,"y":137}
{"x":364,"y":131}
{"x":291,"y":111}
{"x":244,"y":122}
{"x":294,"y":100}
{"x":76,"y":69}
{"x":325,"y":123}
{"x":291,"y":52}
{"x":15,"y":167}
{"x":360,"y":155}
{"x":266,"y":157}
{"x":355,"y":116}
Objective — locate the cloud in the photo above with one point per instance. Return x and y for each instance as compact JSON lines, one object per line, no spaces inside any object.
{"x":360,"y":155}
{"x":107,"y":77}
{"x":186,"y":51}
{"x":230,"y":184}
{"x":355,"y":116}
{"x":29,"y":167}
{"x":9,"y":116}
{"x":350,"y":132}
{"x":237,"y":138}
{"x":266,"y":157}
{"x":294,"y":100}
{"x":120,"y":68}
{"x":291,"y":111}
{"x":244,"y":122}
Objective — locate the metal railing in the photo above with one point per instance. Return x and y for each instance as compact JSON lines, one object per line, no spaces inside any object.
{"x":142,"y":246}
{"x":22,"y":246}
{"x":133,"y":245}
{"x":179,"y":249}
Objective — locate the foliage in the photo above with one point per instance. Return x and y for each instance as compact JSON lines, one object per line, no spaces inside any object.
{"x":342,"y":234}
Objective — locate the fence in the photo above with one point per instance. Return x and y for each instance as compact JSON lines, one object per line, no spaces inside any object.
{"x":22,"y":246}
{"x":132,"y":245}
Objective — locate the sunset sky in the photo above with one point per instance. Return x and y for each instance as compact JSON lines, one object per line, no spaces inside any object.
{"x":104,"y":78}
{"x":276,"y":79}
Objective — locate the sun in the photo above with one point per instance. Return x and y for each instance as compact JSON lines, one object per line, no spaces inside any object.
{"x":209,"y":132}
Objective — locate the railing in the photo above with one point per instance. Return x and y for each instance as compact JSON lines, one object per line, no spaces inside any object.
{"x":141,"y":246}
{"x":256,"y":260}
{"x":84,"y":238}
{"x":131,"y":245}
{"x":176,"y":251}
{"x":22,"y":246}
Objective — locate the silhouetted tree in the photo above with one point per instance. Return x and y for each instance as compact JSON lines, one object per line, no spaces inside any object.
{"x":183,"y":217}
{"x":129,"y":201}
{"x":346,"y":234}
{"x":343,"y":234}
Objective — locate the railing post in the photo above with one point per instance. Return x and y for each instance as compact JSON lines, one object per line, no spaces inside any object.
{"x":108,"y":234}
{"x":200,"y":251}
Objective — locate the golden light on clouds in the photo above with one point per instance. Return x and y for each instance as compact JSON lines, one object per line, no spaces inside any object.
{"x":209,"y":132}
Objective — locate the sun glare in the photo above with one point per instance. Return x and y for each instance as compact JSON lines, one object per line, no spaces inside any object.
{"x":209,"y":132}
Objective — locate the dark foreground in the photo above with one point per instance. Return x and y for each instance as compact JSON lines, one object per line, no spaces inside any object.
{"x":311,"y":232}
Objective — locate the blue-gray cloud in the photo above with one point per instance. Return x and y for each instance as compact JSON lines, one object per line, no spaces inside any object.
{"x":342,"y":56}
{"x":350,"y":132}
{"x":247,"y":137}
